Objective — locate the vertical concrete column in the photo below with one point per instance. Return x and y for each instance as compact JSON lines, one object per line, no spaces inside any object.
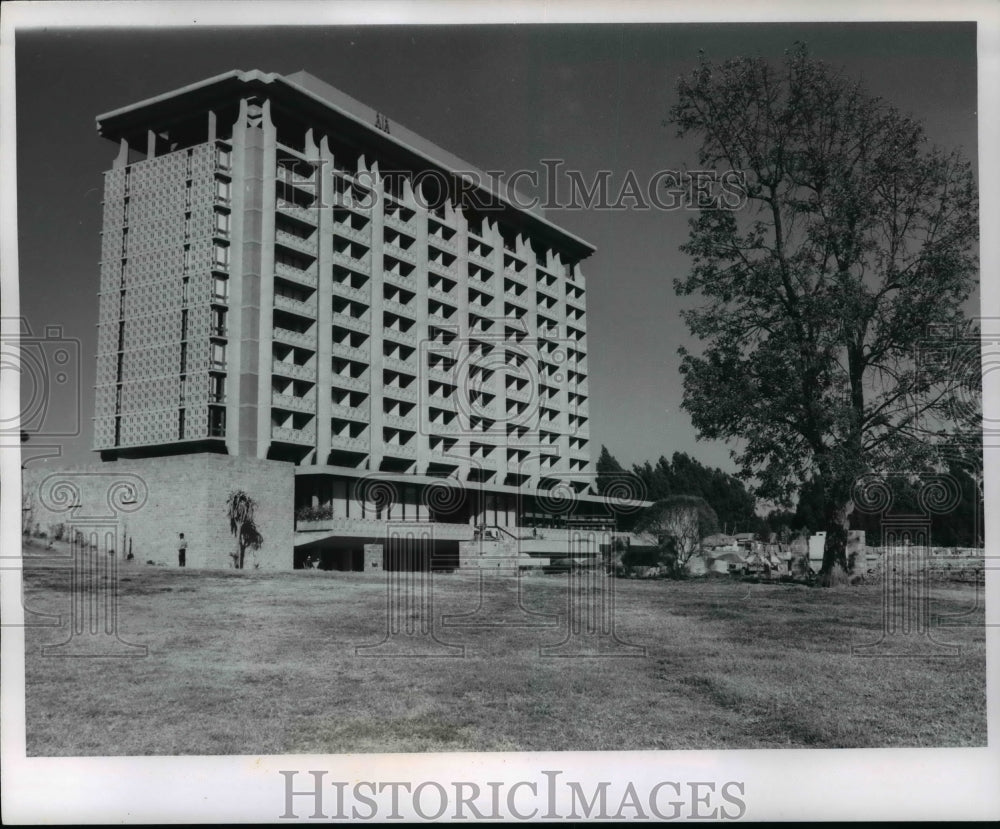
{"x":212,"y":126}
{"x":530,"y":465}
{"x":421,"y":278}
{"x":496,"y":336}
{"x":370,"y":177}
{"x":460,"y":345}
{"x":244,"y":288}
{"x":584,"y":409}
{"x":150,"y":144}
{"x":561,"y":400}
{"x":324,"y":325}
{"x":268,"y":161}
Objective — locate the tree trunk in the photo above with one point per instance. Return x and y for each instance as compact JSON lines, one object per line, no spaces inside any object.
{"x":837,"y":524}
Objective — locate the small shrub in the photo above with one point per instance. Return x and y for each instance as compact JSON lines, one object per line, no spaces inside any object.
{"x":313,"y":513}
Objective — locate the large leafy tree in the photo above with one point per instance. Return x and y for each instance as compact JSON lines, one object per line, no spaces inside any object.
{"x":856,"y":244}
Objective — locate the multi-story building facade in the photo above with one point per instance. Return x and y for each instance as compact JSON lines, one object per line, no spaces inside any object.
{"x":288,"y":276}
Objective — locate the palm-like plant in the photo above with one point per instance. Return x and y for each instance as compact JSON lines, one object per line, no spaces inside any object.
{"x":241,"y":509}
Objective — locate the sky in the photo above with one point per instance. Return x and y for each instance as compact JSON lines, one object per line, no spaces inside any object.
{"x":502,"y":97}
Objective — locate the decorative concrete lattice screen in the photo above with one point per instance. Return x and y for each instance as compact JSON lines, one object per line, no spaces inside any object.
{"x":145,"y":224}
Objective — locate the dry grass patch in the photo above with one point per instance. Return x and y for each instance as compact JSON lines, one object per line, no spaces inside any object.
{"x":265,"y":663}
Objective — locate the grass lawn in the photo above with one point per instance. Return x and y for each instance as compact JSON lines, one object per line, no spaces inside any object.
{"x":265,"y":663}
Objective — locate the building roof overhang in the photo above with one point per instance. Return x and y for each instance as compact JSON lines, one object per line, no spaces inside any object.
{"x":355,"y":121}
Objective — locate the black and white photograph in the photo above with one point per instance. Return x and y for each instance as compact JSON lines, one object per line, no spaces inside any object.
{"x":559,"y":411}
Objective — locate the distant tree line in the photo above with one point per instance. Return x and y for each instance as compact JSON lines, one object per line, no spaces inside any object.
{"x":733,"y":506}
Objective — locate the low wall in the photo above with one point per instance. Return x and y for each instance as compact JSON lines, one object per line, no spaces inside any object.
{"x":151,"y":501}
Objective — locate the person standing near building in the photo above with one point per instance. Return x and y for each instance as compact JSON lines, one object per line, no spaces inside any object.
{"x":182,"y":551}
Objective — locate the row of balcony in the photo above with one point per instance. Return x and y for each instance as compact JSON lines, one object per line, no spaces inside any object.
{"x":409,"y":366}
{"x":495,"y":460}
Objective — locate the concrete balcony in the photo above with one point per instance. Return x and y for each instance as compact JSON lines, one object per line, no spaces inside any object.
{"x":305,"y":308}
{"x":353,"y":323}
{"x":525,"y":395}
{"x":442,"y":243}
{"x":409,"y":422}
{"x":363,"y":236}
{"x":349,"y":444}
{"x":290,"y":240}
{"x":399,"y":280}
{"x":482,"y":326}
{"x":440,"y":268}
{"x":295,"y":371}
{"x":299,"y":338}
{"x":482,"y":307}
{"x":402,"y":366}
{"x":343,"y":381}
{"x":398,"y":336}
{"x":305,"y":214}
{"x":481,"y":278}
{"x":442,"y":456}
{"x":441,"y":401}
{"x":408,"y":394}
{"x":446,"y":375}
{"x":479,"y":259}
{"x":302,"y":277}
{"x":394,"y":221}
{"x":362,"y":412}
{"x":399,"y":253}
{"x":445,"y":428}
{"x":286,"y":434}
{"x":517,"y":276}
{"x":481,"y":409}
{"x":482,"y":461}
{"x":548,"y":290}
{"x":293,"y":403}
{"x":442,"y":296}
{"x":402,"y":309}
{"x":362,"y":264}
{"x":521,"y":300}
{"x":361,"y":353}
{"x":437,"y":318}
{"x":358,"y":294}
{"x":395,"y":450}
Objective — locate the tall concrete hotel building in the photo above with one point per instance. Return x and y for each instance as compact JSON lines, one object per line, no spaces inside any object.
{"x":305,"y":300}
